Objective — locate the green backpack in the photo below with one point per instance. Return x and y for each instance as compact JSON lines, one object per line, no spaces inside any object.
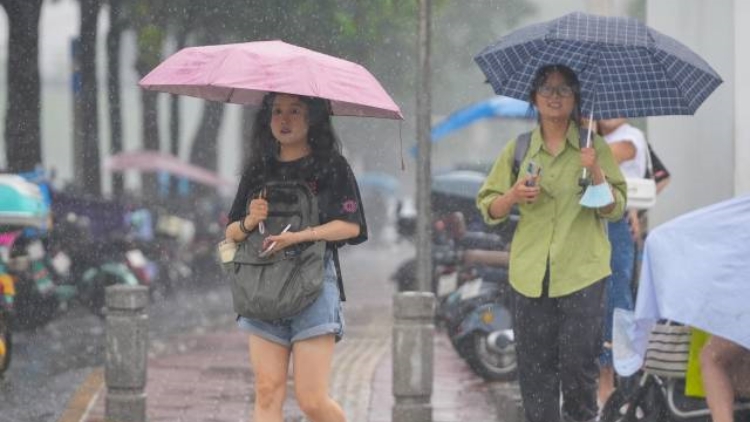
{"x":282,"y":284}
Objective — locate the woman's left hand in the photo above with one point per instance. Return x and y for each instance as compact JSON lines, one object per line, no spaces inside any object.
{"x":588,"y":158}
{"x":280,"y":241}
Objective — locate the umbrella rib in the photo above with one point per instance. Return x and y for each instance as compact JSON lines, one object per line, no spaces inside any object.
{"x":229,"y":97}
{"x":673,"y":82}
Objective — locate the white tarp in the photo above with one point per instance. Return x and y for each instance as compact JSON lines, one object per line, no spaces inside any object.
{"x":695,"y":271}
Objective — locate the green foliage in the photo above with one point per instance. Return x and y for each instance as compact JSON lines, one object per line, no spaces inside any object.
{"x":460,"y":31}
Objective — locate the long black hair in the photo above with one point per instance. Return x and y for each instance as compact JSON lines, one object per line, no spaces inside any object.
{"x":264,"y":148}
{"x":571,"y":79}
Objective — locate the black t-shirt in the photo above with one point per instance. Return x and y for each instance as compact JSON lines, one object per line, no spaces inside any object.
{"x":330,"y":178}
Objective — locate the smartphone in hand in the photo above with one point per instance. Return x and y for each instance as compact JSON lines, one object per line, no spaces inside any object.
{"x":532,"y":170}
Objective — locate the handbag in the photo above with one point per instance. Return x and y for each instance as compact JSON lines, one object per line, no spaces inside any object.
{"x":642,"y":190}
{"x":280,"y":285}
{"x":668,"y":350}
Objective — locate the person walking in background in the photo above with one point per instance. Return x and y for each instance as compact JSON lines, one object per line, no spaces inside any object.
{"x":560,"y":252}
{"x":629,"y":147}
{"x":293,"y":139}
{"x":639,"y":219}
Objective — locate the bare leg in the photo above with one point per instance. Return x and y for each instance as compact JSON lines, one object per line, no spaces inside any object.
{"x":717,"y":357}
{"x":270,"y":363}
{"x":606,"y":384}
{"x":312,"y":369}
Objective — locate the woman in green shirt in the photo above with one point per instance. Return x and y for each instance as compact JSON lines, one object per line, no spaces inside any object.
{"x":560,"y":251}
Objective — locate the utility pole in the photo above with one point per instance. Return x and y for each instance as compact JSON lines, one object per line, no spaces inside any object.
{"x":414,"y":312}
{"x":424,"y":168}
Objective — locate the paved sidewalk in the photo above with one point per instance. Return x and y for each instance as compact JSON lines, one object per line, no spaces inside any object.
{"x":206,"y":377}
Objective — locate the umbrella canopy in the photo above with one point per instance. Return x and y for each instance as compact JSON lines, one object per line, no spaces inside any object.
{"x":243,"y":73}
{"x":154,"y":161}
{"x":506,"y":107}
{"x":626,"y":69}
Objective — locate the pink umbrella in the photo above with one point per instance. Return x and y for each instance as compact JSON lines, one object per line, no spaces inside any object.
{"x":152,"y":161}
{"x":243,"y":73}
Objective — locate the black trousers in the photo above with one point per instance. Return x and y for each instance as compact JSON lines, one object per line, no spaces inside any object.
{"x":558,"y":342}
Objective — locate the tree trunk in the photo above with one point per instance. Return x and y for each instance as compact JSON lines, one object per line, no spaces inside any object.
{"x":117,"y":25}
{"x":248,"y":118}
{"x":204,"y":150}
{"x":23,"y":143}
{"x":174,"y":118}
{"x":149,"y":21}
{"x":151,"y":141}
{"x":89,"y":160}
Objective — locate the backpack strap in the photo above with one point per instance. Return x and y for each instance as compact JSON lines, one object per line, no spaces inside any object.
{"x":522,"y":147}
{"x":339,"y":280}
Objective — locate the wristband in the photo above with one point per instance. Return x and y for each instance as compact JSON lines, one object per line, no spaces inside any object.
{"x":244,"y":229}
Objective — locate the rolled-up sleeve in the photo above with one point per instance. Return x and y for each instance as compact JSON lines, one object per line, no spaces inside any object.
{"x":497,"y":183}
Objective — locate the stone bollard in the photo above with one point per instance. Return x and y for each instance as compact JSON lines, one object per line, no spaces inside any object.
{"x":126,"y":359}
{"x":413,"y":333}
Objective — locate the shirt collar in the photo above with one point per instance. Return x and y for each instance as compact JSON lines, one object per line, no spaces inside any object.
{"x":571,"y":137}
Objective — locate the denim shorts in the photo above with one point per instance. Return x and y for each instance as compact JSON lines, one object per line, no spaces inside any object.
{"x":323,"y":316}
{"x":619,"y":285}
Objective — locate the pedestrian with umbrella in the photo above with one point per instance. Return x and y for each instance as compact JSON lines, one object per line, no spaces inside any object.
{"x":293,"y":139}
{"x":560,"y":251}
{"x":603,"y":67}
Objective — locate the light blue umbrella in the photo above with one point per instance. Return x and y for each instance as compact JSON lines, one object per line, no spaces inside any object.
{"x":626,"y":69}
{"x":500,"y":107}
{"x":494,"y":107}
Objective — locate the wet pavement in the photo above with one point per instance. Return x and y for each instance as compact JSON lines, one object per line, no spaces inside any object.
{"x":199,"y":370}
{"x":48,"y":364}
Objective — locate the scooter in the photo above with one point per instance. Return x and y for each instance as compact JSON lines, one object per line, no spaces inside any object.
{"x":85,"y":267}
{"x":479,"y":324}
{"x":21,"y":205}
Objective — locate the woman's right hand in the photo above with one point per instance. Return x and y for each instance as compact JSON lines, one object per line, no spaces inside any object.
{"x":257,"y":211}
{"x":525,"y":193}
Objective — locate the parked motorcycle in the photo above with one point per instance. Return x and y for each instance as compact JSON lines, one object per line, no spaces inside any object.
{"x":85,"y":267}
{"x":478,"y":315}
{"x":22,"y":205}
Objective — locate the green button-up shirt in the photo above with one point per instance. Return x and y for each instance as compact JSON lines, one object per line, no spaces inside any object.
{"x":556,"y":228}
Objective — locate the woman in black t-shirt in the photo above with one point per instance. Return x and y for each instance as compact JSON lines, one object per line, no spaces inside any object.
{"x":293,"y":139}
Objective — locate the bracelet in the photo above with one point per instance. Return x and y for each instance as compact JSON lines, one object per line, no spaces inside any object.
{"x":244,"y":229}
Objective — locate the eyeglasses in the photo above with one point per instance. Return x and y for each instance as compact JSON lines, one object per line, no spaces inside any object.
{"x":563,"y":91}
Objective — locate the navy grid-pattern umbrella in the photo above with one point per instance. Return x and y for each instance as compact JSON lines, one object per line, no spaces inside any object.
{"x":626,"y":69}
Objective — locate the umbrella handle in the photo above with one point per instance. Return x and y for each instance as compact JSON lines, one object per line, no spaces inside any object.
{"x":584,"y":181}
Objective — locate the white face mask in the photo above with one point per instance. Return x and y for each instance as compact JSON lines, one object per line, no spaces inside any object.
{"x":597,"y":196}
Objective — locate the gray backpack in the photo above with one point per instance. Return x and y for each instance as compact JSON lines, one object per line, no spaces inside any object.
{"x":282,"y":284}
